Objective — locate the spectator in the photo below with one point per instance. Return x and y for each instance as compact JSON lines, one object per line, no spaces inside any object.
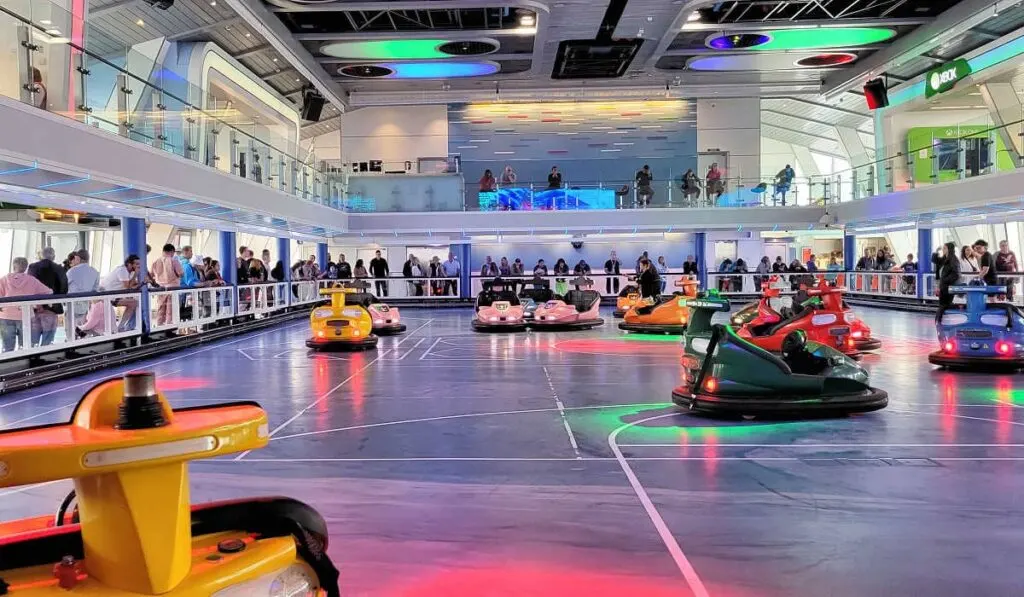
{"x":561,"y":269}
{"x":949,"y":274}
{"x":833,"y":266}
{"x":504,"y":269}
{"x":437,"y":285}
{"x":416,"y":271}
{"x":968,"y":265}
{"x":488,"y":184}
{"x":554,"y":178}
{"x":189,"y":277}
{"x":910,"y":281}
{"x":1006,"y":263}
{"x":739,"y":268}
{"x":379,"y":270}
{"x":517,"y":267}
{"x":243,"y":266}
{"x":39,"y":97}
{"x":344,"y":269}
{"x":359,"y":271}
{"x":690,"y":266}
{"x":124,"y":277}
{"x":763,"y":271}
{"x":582,"y":268}
{"x":56,"y":279}
{"x":613,"y":269}
{"x":66,"y":264}
{"x":725,"y":282}
{"x":258,"y":272}
{"x":691,"y":186}
{"x":17,"y":283}
{"x":868,"y":261}
{"x":276,"y":274}
{"x":986,"y":265}
{"x":639,"y":259}
{"x":451,"y":268}
{"x":95,"y":320}
{"x":82,"y":277}
{"x":713,"y":182}
{"x":168,"y":272}
{"x":662,"y":269}
{"x":540,"y":269}
{"x":796,"y":281}
{"x":649,"y":281}
{"x":265,"y":258}
{"x":783,"y":182}
{"x":242,"y":251}
{"x":489,"y":269}
{"x":812,"y":264}
{"x":644,"y":192}
{"x":213,"y":278}
{"x":508,"y":177}
{"x":778,"y":267}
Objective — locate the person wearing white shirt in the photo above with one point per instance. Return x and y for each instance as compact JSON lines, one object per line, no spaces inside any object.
{"x":124,"y":277}
{"x":82,"y":277}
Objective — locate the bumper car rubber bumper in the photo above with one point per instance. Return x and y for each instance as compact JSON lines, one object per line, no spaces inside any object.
{"x":498,"y":326}
{"x":330,"y":344}
{"x":866,"y":401}
{"x":548,"y":325}
{"x":867,"y":344}
{"x":389,"y":329}
{"x":653,"y":328}
{"x":957,"y":361}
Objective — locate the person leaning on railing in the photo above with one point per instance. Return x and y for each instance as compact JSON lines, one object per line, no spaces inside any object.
{"x":1006,"y":263}
{"x":18,"y":283}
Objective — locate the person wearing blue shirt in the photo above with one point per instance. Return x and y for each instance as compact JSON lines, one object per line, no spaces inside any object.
{"x":812,"y":264}
{"x":451,"y":268}
{"x":910,"y":281}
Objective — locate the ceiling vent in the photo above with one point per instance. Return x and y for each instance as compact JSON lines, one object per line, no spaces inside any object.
{"x":592,"y":59}
{"x":468,"y":48}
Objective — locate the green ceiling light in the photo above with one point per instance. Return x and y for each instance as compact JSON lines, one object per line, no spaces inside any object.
{"x":391,"y":49}
{"x":806,"y":39}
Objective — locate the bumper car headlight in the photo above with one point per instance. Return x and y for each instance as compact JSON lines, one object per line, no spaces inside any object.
{"x":352,"y":312}
{"x":323,"y":313}
{"x":494,"y":319}
{"x":294,"y":581}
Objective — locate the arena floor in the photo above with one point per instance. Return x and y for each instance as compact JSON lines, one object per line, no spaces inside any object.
{"x":453,"y":464}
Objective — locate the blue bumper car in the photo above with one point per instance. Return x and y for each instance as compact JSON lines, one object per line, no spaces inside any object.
{"x":980,"y":335}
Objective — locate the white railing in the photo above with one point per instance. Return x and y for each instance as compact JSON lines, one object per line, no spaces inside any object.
{"x":396,"y":287}
{"x":608,"y":285}
{"x":183,"y":308}
{"x":39,"y":325}
{"x":305,"y":292}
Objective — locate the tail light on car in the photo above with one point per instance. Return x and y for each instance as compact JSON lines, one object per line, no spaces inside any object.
{"x":1003,"y":348}
{"x":858,"y":334}
{"x":949,"y":346}
{"x":710,"y":384}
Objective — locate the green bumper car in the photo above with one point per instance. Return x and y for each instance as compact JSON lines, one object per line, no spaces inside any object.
{"x":725,"y":374}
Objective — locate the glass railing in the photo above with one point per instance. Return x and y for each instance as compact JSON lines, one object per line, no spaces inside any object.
{"x":931,"y":155}
{"x":67,"y":66}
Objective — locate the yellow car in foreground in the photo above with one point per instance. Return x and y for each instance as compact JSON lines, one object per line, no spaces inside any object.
{"x":341,"y":326}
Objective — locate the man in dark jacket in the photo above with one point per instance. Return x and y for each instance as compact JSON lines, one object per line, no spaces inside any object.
{"x":344,"y":268}
{"x":53,"y":276}
{"x":379,"y":270}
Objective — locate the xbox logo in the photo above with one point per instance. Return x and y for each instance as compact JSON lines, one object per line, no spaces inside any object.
{"x":935,"y":81}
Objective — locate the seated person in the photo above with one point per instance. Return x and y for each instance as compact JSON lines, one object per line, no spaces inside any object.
{"x":95,"y":320}
{"x":799,"y":358}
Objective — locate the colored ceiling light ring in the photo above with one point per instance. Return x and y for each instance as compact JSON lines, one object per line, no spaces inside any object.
{"x":737,"y":41}
{"x":441,"y":69}
{"x":806,"y":38}
{"x":826,"y":60}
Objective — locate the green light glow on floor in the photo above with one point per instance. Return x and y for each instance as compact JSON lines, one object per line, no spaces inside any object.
{"x":824,"y":37}
{"x":392,"y":49}
{"x":682,"y":428}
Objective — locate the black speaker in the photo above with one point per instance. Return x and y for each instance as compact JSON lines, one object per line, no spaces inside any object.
{"x":312,"y":105}
{"x":876,"y":94}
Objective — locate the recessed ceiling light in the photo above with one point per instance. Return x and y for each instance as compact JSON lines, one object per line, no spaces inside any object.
{"x":248,"y":34}
{"x":275,"y":59}
{"x":297,"y":79}
{"x":213,"y":2}
{"x":140,"y":23}
{"x":46,"y":22}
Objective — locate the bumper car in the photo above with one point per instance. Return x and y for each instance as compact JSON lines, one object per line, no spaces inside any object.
{"x":980,"y":335}
{"x":579,"y":309}
{"x":628,"y":297}
{"x":667,"y":315}
{"x":387,"y":321}
{"x":771,"y":300}
{"x":498,"y":309}
{"x":133,"y":532}
{"x":535,"y":292}
{"x":340,"y":326}
{"x":821,"y":313}
{"x":725,"y":374}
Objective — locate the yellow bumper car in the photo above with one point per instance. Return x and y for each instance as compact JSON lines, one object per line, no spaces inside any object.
{"x":133,"y":532}
{"x":341,"y":326}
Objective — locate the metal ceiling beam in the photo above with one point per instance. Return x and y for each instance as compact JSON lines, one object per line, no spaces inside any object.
{"x":206,"y":27}
{"x":797,"y":132}
{"x":827,"y":107}
{"x":806,"y":119}
{"x":113,"y":6}
{"x":251,"y":51}
{"x":759,"y":26}
{"x":962,"y":17}
{"x":321,"y":121}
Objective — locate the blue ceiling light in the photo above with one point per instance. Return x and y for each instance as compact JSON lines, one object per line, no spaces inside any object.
{"x":62,"y":183}
{"x":440,"y":70}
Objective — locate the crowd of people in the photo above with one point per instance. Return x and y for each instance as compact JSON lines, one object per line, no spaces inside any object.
{"x":973,"y":264}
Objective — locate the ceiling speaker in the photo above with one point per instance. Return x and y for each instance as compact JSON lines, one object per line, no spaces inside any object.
{"x":876,"y":94}
{"x":468,"y":48}
{"x":365,"y":71}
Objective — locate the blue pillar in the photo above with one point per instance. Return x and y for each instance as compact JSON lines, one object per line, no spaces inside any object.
{"x":849,"y":252}
{"x":924,"y":258}
{"x":133,"y":237}
{"x":284,"y":254}
{"x":228,"y":268}
{"x":700,"y":252}
{"x":464,"y":254}
{"x":321,"y":256}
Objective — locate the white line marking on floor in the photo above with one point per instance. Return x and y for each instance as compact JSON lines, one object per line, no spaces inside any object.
{"x":561,"y":411}
{"x":60,"y":408}
{"x":684,"y":565}
{"x":430,"y":348}
{"x":114,"y":370}
{"x":331,"y":391}
{"x":245,"y":354}
{"x":414,"y":347}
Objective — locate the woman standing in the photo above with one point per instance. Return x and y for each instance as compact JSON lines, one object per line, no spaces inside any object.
{"x":650,"y":282}
{"x":508,"y":177}
{"x":968,"y":264}
{"x":561,"y":284}
{"x":662,"y":271}
{"x":360,"y":270}
{"x":949,"y":274}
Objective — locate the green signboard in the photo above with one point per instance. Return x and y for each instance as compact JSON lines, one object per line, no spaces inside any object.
{"x":945,"y":77}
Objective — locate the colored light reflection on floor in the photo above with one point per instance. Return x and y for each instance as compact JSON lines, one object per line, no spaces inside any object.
{"x":536,"y":580}
{"x":681,"y":428}
{"x":623,"y":345}
{"x":178,"y":384}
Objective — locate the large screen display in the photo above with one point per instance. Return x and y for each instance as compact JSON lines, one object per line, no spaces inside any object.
{"x":522,"y":199}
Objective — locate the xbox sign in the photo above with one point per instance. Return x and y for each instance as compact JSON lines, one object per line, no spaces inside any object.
{"x":945,"y":77}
